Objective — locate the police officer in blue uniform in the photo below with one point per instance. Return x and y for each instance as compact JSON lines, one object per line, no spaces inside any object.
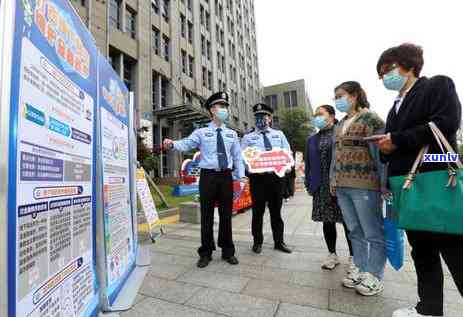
{"x":220,"y":161}
{"x":266,"y":188}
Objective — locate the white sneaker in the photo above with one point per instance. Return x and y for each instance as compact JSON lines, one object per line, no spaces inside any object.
{"x":351,"y":266}
{"x":331,"y":262}
{"x":353,"y":279}
{"x":370,"y":286}
{"x":409,"y":312}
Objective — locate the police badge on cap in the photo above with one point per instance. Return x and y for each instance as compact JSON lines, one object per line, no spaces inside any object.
{"x":219,"y":97}
{"x":262,"y":108}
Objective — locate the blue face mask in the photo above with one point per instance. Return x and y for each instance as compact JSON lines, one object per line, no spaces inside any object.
{"x":342,"y":104}
{"x":222,"y":114}
{"x":393,"y":80}
{"x":320,"y":122}
{"x":261,"y":122}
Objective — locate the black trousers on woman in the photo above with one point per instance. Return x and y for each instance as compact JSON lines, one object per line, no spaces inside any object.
{"x":331,"y":234}
{"x":427,"y":248}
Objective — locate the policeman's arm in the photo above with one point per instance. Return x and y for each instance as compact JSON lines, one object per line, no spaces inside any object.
{"x":284,"y":142}
{"x":189,"y":143}
{"x":238,"y":162}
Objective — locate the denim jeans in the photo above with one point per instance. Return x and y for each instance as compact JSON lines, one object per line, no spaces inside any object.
{"x":362,"y":212}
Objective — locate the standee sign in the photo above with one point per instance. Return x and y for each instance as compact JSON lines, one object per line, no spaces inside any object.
{"x":59,"y":100}
{"x":51,"y":256}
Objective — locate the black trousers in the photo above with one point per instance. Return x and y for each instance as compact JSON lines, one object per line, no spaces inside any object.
{"x":267,"y":189}
{"x":289,"y":186}
{"x":330,"y":234}
{"x":216,"y":187}
{"x":427,"y":248}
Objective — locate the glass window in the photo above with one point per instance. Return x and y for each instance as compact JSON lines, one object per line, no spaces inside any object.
{"x":130,"y":22}
{"x":184,"y":62}
{"x":294,"y":98}
{"x":166,"y":44}
{"x":191,"y":63}
{"x":183,"y":25}
{"x":155,"y":90}
{"x":155,"y":6}
{"x":164,"y":92}
{"x":165,"y":10}
{"x":190,"y":32}
{"x":287,"y":97}
{"x":128,"y":74}
{"x":115,"y":13}
{"x":156,"y":41}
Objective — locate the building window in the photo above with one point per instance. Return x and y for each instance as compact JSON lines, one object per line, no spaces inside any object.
{"x":224,"y":69}
{"x":189,"y":5}
{"x":183,"y":25}
{"x":191,"y":62}
{"x":166,"y":44}
{"x":272,"y":101}
{"x":165,"y":10}
{"x":209,"y":80}
{"x":204,"y":77}
{"x":184,"y":62}
{"x":155,"y":6}
{"x":164,"y":92}
{"x":294,"y":98}
{"x":156,"y":41}
{"x":290,"y":99}
{"x":187,"y":97}
{"x":115,"y":13}
{"x":208,"y":51}
{"x":113,"y":59}
{"x":128,"y":71}
{"x":222,"y":38}
{"x":208,"y":21}
{"x":203,"y":45}
{"x":190,"y":32}
{"x":130,"y":22}
{"x":219,"y":61}
{"x":201,"y":14}
{"x":155,"y":90}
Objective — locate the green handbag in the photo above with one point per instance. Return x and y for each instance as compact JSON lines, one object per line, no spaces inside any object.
{"x":431,"y":201}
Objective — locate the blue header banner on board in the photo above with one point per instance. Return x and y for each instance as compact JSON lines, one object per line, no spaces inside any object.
{"x":51,"y":252}
{"x":120,"y":248}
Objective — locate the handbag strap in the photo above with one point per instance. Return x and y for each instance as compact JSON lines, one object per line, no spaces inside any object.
{"x":441,"y":141}
{"x":412,"y":174}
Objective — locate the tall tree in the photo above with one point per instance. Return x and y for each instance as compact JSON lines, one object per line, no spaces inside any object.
{"x":295,"y":123}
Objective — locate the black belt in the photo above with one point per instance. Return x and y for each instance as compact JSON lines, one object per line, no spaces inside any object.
{"x":261,"y":174}
{"x":216,"y":170}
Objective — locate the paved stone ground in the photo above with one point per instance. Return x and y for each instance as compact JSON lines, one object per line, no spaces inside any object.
{"x":269,"y":284}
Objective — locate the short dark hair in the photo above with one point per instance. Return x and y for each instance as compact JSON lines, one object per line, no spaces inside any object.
{"x":408,"y":56}
{"x":330,"y":109}
{"x":354,"y":88}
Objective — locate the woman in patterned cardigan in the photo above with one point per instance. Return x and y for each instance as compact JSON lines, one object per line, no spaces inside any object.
{"x":357,"y":179}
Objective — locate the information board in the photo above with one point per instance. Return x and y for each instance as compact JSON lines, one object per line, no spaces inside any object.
{"x":51,"y":249}
{"x":115,"y":167}
{"x":146,"y":200}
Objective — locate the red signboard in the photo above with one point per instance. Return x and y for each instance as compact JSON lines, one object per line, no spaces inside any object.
{"x":278,"y":161}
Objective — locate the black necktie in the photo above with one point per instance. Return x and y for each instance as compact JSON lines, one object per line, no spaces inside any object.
{"x":267,"y":144}
{"x":221,"y":153}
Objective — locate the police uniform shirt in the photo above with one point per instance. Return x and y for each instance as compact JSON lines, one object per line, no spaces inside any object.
{"x":205,"y":139}
{"x":256,"y":139}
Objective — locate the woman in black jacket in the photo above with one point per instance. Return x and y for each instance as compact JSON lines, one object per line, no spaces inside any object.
{"x":420,"y":101}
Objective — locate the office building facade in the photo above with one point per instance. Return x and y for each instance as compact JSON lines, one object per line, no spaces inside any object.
{"x":173,"y":54}
{"x":287,"y":96}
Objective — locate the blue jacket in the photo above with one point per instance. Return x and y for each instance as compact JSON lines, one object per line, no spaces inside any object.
{"x":313,"y":175}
